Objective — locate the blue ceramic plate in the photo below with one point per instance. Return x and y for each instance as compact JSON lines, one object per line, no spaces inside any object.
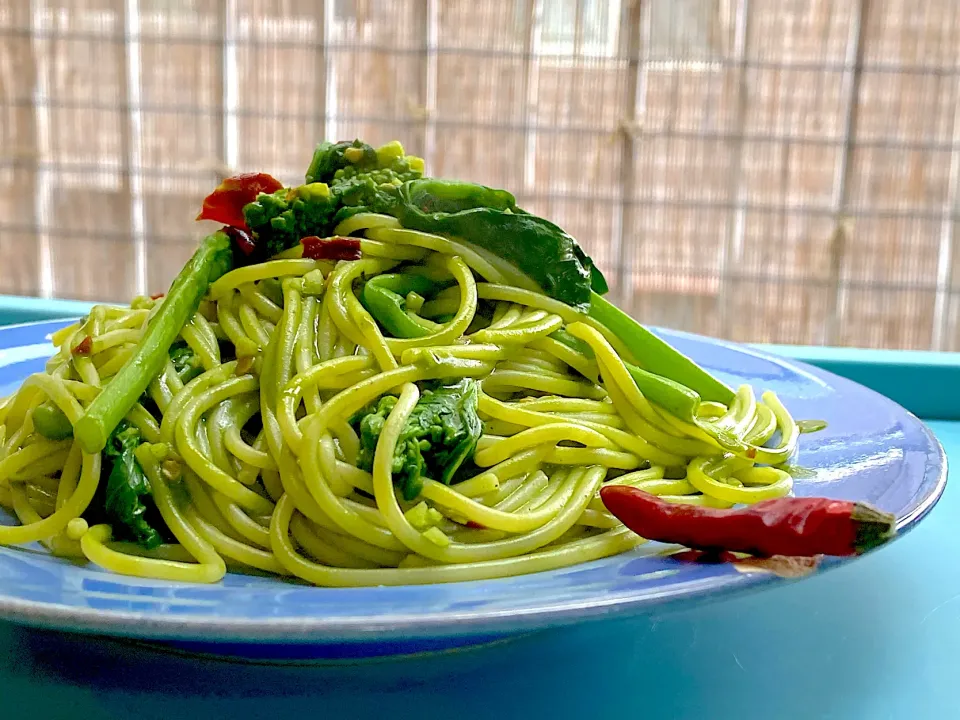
{"x":872,"y":450}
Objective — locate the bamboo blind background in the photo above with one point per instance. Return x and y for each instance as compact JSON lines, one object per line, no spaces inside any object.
{"x":763,"y":170}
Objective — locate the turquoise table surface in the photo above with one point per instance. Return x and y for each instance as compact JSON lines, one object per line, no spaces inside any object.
{"x":877,"y":638}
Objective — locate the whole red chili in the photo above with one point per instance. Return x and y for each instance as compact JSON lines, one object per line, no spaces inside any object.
{"x":331,"y":248}
{"x":225,"y":203}
{"x":784,"y":526}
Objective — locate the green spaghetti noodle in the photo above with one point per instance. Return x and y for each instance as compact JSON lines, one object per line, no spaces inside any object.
{"x":424,"y":413}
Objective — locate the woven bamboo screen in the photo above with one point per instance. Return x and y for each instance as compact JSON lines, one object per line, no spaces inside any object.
{"x":761,"y":170}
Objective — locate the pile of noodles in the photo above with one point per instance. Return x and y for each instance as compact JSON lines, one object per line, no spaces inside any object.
{"x":252,"y":465}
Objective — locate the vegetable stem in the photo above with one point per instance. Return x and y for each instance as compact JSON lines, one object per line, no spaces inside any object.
{"x":656,"y":356}
{"x":383,"y":296}
{"x":212,"y":259}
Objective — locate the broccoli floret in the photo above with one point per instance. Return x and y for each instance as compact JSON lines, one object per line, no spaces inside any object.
{"x":438,"y":437}
{"x":281,"y":218}
{"x":328,"y":158}
{"x":343,"y":179}
{"x":369,"y":424}
{"x":360,"y":176}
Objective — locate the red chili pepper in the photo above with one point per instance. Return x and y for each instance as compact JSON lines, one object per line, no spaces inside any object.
{"x":84,"y":346}
{"x":332,"y":248}
{"x":242,"y":239}
{"x":475,"y":525}
{"x":157,"y":296}
{"x":225,"y":204}
{"x":784,"y":526}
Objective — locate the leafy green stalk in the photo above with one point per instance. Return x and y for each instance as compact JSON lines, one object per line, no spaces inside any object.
{"x":384,"y":296}
{"x":656,"y":356}
{"x":438,"y":437}
{"x":675,"y":398}
{"x":212,"y":259}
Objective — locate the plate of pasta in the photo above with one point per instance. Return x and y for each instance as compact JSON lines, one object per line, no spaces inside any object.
{"x":380,"y":412}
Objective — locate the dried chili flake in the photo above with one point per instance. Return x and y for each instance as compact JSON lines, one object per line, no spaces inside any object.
{"x":84,"y":346}
{"x":242,"y":239}
{"x":225,"y":204}
{"x":332,"y":248}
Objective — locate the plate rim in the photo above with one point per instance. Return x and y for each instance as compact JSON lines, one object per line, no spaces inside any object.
{"x":364,"y":628}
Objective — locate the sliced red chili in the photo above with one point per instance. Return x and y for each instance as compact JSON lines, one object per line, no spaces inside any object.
{"x":332,"y":248}
{"x":475,"y":525}
{"x":84,"y":346}
{"x":242,"y":239}
{"x":225,"y":204}
{"x":783,"y":526}
{"x":157,"y":296}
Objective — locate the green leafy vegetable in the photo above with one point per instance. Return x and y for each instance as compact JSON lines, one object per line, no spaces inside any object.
{"x":438,"y":437}
{"x":363,"y":179}
{"x":369,"y":424}
{"x":374,"y":184}
{"x":212,"y":259}
{"x":281,"y":218}
{"x":338,"y":164}
{"x":343,"y":178}
{"x":127,"y":488}
{"x":532,"y":251}
{"x":490,"y":219}
{"x":329,"y":157}
{"x":433,"y":195}
{"x":185,"y":361}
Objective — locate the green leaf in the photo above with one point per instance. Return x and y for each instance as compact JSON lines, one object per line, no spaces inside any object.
{"x":489,"y":219}
{"x":185,"y":361}
{"x":126,"y":488}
